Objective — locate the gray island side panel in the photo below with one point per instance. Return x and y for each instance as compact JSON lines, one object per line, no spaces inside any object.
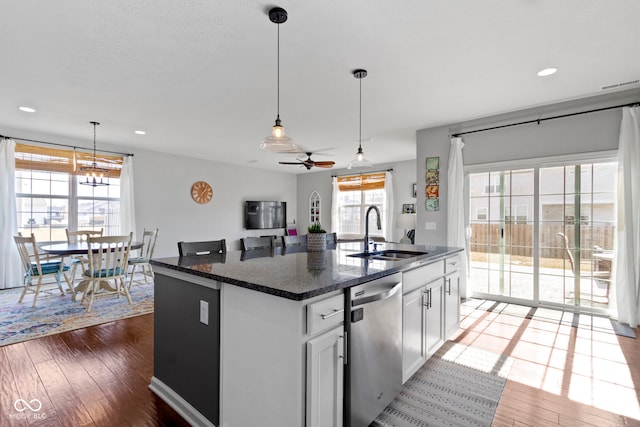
{"x":187,"y":352}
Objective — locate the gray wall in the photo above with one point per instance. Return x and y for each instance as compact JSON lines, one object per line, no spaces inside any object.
{"x":584,"y":133}
{"x":163,"y":199}
{"x":404,"y":176}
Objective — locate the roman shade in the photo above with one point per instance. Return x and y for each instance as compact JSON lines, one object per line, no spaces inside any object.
{"x":31,"y":157}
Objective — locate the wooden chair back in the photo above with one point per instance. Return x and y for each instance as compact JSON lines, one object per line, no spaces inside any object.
{"x":82,"y":235}
{"x":149,"y":238}
{"x":28,"y":250}
{"x":108,"y":256}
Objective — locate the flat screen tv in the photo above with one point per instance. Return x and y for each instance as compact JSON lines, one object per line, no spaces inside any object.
{"x":264,"y":215}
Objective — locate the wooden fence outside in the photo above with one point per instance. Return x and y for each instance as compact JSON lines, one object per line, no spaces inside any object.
{"x":519,"y":237}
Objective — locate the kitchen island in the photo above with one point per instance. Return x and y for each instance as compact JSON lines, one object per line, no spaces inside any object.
{"x":256,"y":338}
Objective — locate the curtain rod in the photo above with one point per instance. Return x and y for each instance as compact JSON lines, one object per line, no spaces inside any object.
{"x":363,"y":173}
{"x":65,"y":145}
{"x":526,"y":122}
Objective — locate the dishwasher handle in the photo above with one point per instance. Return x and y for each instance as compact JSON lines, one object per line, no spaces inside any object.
{"x":384,"y":294}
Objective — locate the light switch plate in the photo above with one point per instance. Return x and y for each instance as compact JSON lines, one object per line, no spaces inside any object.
{"x":429,"y":225}
{"x":204,"y":312}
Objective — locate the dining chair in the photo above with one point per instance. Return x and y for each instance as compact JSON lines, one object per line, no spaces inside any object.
{"x":107,"y":268}
{"x":290,"y":241}
{"x":253,"y":243}
{"x":210,"y":247}
{"x":601,"y":277}
{"x":34,"y":266}
{"x":149,"y":238}
{"x":78,"y":237}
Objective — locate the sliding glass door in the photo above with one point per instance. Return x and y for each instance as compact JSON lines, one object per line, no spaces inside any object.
{"x":577,"y":228}
{"x":501,"y":208}
{"x":543,"y":235}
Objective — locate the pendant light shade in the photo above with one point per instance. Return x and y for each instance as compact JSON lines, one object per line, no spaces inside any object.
{"x":94,"y":175}
{"x":278,"y":142}
{"x":360,"y":161}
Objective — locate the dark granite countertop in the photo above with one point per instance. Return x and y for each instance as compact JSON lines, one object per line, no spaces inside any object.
{"x":298,"y":275}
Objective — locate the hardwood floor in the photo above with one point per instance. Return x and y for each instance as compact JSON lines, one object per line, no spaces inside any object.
{"x":562,"y":375}
{"x":96,"y":376}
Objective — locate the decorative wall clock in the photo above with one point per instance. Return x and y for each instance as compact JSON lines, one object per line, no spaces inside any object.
{"x":201,"y":192}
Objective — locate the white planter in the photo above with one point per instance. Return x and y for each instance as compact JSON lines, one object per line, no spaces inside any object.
{"x":316,"y":242}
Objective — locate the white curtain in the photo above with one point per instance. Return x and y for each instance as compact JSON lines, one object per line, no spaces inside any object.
{"x":10,"y":266}
{"x":334,"y":205}
{"x":127,"y":200}
{"x":456,"y":227}
{"x":627,"y":252}
{"x":388,"y":207}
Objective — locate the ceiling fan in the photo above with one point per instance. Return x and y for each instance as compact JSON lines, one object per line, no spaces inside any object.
{"x":308,"y":163}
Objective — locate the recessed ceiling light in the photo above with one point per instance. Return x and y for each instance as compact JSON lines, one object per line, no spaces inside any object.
{"x":547,"y":72}
{"x":27,"y":109}
{"x":140,"y":132}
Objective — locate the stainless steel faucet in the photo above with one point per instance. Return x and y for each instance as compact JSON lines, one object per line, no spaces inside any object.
{"x":366,"y":226}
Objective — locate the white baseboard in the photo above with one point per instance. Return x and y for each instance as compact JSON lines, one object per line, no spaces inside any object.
{"x":181,"y":406}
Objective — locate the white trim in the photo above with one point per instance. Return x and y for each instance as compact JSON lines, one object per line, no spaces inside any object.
{"x":561,"y":160}
{"x":181,"y":406}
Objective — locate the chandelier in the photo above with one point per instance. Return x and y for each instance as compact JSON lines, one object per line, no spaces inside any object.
{"x":94,"y":176}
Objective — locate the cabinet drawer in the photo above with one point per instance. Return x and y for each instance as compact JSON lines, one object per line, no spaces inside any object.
{"x":453,"y":264}
{"x":413,"y":279}
{"x":325,"y":314}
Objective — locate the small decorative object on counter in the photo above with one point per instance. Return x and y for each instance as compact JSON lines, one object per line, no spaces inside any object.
{"x":317,"y":238}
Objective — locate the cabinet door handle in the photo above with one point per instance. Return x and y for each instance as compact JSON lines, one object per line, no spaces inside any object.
{"x":430,"y":291}
{"x":425,"y":294}
{"x":449,"y":284}
{"x":343,"y":337}
{"x":335,"y":312}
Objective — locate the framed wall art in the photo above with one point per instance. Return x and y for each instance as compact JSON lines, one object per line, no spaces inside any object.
{"x":432,"y":184}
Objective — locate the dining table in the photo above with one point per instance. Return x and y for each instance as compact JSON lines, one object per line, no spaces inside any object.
{"x":78,"y":248}
{"x":63,"y":250}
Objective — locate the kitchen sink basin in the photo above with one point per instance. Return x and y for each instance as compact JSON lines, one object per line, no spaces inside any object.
{"x":389,"y":255}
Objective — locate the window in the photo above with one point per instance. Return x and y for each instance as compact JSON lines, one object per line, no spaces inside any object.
{"x":519,"y":215}
{"x":50,"y":198}
{"x":356,"y":193}
{"x":481,"y":213}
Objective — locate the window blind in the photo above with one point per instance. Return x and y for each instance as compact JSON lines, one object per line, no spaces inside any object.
{"x":370,"y":181}
{"x":31,"y":157}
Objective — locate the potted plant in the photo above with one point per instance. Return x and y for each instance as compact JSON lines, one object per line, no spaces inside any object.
{"x":317,"y":238}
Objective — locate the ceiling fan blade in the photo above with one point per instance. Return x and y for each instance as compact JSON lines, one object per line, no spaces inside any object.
{"x":291,"y":163}
{"x":324,"y":164}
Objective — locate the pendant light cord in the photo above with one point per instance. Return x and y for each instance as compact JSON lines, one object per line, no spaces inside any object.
{"x":278,"y":76}
{"x":360,"y":127}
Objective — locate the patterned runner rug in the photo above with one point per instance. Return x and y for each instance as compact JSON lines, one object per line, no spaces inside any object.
{"x":458,"y":386}
{"x":55,"y":313}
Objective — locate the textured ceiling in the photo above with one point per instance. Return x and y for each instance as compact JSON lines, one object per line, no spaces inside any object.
{"x":200,"y":76}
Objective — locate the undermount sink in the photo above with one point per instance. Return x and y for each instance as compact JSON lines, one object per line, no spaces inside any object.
{"x":388,"y":255}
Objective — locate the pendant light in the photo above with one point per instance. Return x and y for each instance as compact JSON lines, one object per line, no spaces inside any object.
{"x":278,"y":142}
{"x":94,"y":175}
{"x":360,"y":161}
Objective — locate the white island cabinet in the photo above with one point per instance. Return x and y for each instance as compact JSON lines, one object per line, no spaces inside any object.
{"x":281,"y":360}
{"x":431,"y":311}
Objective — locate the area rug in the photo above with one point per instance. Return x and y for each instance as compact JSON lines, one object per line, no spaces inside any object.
{"x":55,"y":313}
{"x":458,"y":386}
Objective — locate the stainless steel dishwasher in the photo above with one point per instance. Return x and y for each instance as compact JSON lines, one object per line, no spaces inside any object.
{"x":374,"y":332}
